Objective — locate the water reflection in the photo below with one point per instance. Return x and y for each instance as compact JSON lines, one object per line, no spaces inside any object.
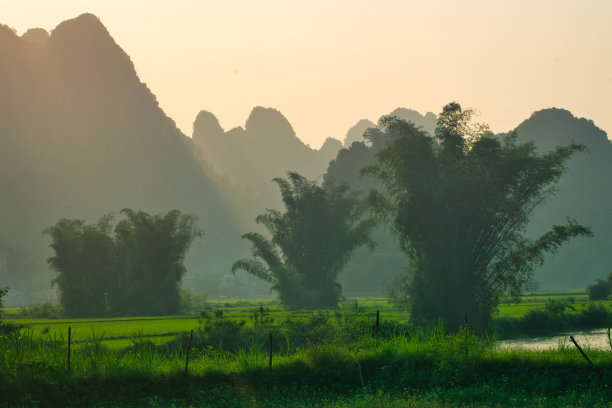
{"x":594,"y":339}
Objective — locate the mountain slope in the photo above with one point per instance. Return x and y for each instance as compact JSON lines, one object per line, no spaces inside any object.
{"x":265,"y":148}
{"x":81,"y":136}
{"x":584,"y":193}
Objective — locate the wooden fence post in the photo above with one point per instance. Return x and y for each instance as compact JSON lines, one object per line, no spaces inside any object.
{"x":270,"y":349}
{"x":69,"y":340}
{"x":377,"y":322}
{"x":580,"y":349}
{"x":188,"y":351}
{"x":467,"y":334}
{"x":360,"y":375}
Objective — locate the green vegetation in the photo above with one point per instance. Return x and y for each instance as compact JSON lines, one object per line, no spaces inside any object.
{"x":116,"y":333}
{"x":339,"y":362}
{"x":465,"y":194}
{"x":3,"y":292}
{"x":460,"y":203}
{"x":317,"y":361}
{"x":6,"y":327}
{"x":553,"y":319}
{"x":45,"y":310}
{"x":136,"y":271}
{"x":459,"y":199}
{"x":600,"y":290}
{"x":311,"y":242}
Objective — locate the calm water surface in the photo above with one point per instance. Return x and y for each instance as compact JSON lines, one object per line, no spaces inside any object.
{"x":595,"y":339}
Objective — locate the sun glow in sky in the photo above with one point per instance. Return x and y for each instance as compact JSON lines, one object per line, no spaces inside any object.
{"x":327,"y":64}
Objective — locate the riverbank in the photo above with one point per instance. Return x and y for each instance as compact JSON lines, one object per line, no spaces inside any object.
{"x":589,"y":340}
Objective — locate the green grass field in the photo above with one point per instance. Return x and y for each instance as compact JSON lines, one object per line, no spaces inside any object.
{"x":432,"y":369}
{"x":520,"y":309}
{"x":120,"y":332}
{"x":116,"y":332}
{"x":140,"y":362}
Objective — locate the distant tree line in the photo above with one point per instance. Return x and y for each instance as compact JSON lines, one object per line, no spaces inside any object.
{"x":134,"y":268}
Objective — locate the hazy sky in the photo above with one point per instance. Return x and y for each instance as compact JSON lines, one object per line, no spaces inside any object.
{"x":327,"y":64}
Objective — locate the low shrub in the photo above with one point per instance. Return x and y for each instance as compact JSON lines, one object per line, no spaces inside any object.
{"x":6,"y":327}
{"x":45,"y":310}
{"x":9,"y":327}
{"x":553,"y":319}
{"x":190,"y":302}
{"x":218,"y":332}
{"x":601,"y":289}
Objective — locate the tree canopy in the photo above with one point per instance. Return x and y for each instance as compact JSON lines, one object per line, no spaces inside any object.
{"x":310,"y":242}
{"x":459,"y":203}
{"x":3,"y":292}
{"x":601,"y":289}
{"x":83,"y":258}
{"x":136,"y":270}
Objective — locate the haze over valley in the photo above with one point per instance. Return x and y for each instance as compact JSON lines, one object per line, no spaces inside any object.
{"x":82,"y":136}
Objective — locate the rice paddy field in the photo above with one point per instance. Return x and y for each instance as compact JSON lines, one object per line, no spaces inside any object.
{"x":120,"y":332}
{"x":319,"y":359}
{"x":117,"y":333}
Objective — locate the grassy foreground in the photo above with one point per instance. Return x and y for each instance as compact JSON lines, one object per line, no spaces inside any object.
{"x":240,"y":394}
{"x":354,"y":369}
{"x":330,"y":359}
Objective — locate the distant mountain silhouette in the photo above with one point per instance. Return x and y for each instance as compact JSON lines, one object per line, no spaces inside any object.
{"x":265,"y":148}
{"x":427,"y":122}
{"x":329,"y":149}
{"x":36,"y":35}
{"x":355,"y":133}
{"x":81,"y":136}
{"x":584,"y":193}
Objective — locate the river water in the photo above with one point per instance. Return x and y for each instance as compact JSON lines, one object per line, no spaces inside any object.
{"x":594,"y":339}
